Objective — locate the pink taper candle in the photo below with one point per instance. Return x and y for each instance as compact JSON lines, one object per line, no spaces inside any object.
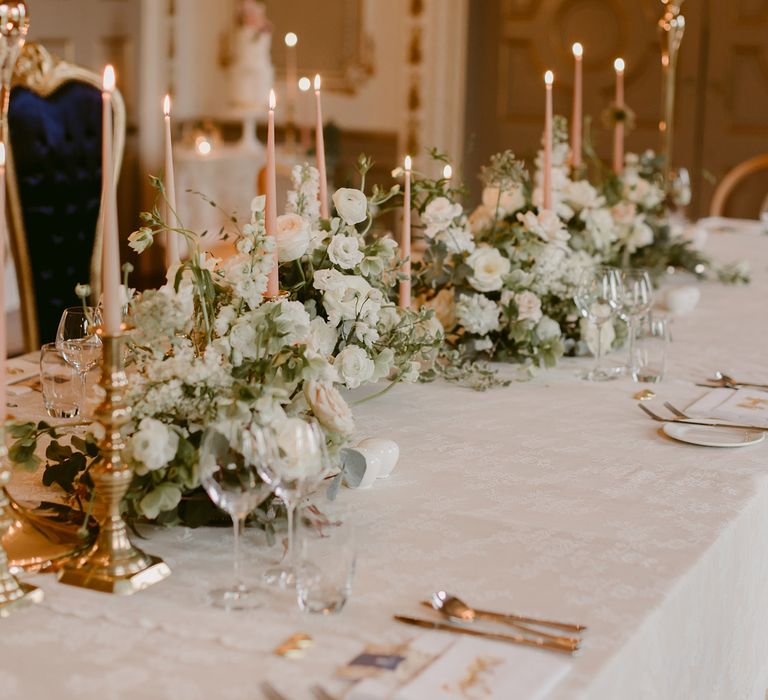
{"x":618,"y":131}
{"x":3,"y":335}
{"x":549,"y":78}
{"x":576,"y":128}
{"x":405,"y":240}
{"x":291,"y":78}
{"x":110,"y":261}
{"x":172,"y":238}
{"x":320,"y":148}
{"x":271,"y":203}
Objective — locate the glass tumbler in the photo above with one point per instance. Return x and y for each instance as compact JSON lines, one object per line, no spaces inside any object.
{"x":325,"y":568}
{"x":651,"y":347}
{"x":62,"y":385}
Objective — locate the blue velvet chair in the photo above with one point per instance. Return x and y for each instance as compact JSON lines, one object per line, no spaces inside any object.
{"x":54,"y":185}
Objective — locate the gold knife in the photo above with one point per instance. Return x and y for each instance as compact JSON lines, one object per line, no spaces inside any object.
{"x":511,"y":638}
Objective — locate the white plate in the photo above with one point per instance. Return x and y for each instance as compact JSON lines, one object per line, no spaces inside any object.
{"x":713,"y":437}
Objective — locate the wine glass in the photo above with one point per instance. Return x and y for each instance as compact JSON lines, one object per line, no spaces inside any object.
{"x":636,"y":300}
{"x":598,"y":297}
{"x":228,"y":472}
{"x":298,"y":462}
{"x":77,"y":340}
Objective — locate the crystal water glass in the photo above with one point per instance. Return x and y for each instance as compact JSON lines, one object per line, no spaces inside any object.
{"x":598,"y":298}
{"x":297,"y":462}
{"x":229,"y":474}
{"x":326,"y":567}
{"x":77,"y":340}
{"x":636,"y":301}
{"x":652,"y":347}
{"x":62,"y":385}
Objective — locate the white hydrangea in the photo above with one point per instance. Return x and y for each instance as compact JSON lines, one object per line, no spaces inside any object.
{"x":477,"y":313}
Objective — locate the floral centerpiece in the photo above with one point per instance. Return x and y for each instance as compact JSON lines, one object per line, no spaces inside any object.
{"x":209,"y":349}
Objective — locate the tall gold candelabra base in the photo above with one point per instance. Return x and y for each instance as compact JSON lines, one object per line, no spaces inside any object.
{"x":13,"y":594}
{"x":113,"y":565}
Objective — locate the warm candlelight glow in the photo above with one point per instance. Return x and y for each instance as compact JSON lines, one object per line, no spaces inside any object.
{"x":167,"y":106}
{"x":2,"y":155}
{"x":618,"y":65}
{"x":272,"y":99}
{"x":304,"y":83}
{"x":549,"y":77}
{"x":447,"y":172}
{"x":291,"y":39}
{"x":109,"y":79}
{"x":578,"y":50}
{"x":203,"y":146}
{"x":407,"y":162}
{"x":317,"y":83}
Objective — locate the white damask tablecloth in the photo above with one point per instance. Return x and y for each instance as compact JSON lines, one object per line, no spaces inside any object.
{"x":555,"y":497}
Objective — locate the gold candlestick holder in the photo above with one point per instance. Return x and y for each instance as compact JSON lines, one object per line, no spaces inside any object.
{"x":13,"y":593}
{"x":113,"y":565}
{"x":671,"y":29}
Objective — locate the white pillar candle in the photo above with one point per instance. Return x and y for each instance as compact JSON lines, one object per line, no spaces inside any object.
{"x":320,"y":148}
{"x":110,"y":272}
{"x":271,"y":193}
{"x":171,"y":219}
{"x":549,"y":78}
{"x":405,"y":240}
{"x":618,"y":131}
{"x":576,"y":128}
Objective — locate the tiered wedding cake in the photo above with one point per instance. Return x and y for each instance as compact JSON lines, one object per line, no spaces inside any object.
{"x":251,"y":74}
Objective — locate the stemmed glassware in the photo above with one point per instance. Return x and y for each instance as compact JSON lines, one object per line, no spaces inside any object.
{"x":77,"y":340}
{"x":298,"y":461}
{"x":229,"y":474}
{"x":598,"y":298}
{"x":636,"y":300}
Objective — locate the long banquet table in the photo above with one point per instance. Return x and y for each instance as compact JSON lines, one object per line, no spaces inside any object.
{"x":555,"y":497}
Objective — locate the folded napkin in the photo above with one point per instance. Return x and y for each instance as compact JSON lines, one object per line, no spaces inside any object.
{"x":745,"y":406}
{"x":474,"y":668}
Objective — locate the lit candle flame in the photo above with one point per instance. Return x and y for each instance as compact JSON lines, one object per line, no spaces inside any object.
{"x":2,"y":154}
{"x":618,"y":65}
{"x":272,"y":99}
{"x":578,"y":50}
{"x":304,"y":83}
{"x":167,"y":106}
{"x":447,"y":172}
{"x":203,"y":146}
{"x":408,"y":163}
{"x":291,"y":39}
{"x":317,"y":83}
{"x":109,"y":79}
{"x":549,"y":77}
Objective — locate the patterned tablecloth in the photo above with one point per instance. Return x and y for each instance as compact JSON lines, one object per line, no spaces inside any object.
{"x":555,"y":497}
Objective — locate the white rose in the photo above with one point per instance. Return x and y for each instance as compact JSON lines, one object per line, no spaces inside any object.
{"x":547,"y":329}
{"x":508,"y":201}
{"x":354,"y":366}
{"x":330,"y":409}
{"x":488,"y":268}
{"x":292,"y":237}
{"x":153,"y":445}
{"x":322,"y":337}
{"x":528,"y":306}
{"x":344,"y":251}
{"x":581,"y":195}
{"x":351,"y":205}
{"x":546,"y":225}
{"x":438,"y":215}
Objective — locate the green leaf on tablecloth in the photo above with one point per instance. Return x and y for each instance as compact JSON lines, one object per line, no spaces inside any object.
{"x":65,"y":473}
{"x":21,"y":430}
{"x":58,"y":453}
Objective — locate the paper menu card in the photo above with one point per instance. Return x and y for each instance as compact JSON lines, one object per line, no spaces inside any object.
{"x":743,"y":406}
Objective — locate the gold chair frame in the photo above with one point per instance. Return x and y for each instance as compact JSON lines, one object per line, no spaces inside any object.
{"x":43,"y":73}
{"x":732,"y":178}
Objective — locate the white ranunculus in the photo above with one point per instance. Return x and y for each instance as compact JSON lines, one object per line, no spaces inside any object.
{"x":439,"y":215}
{"x":351,"y":205}
{"x":292,"y":237}
{"x":528,"y":306}
{"x":322,"y":337}
{"x":292,"y":322}
{"x":153,"y":445}
{"x":488,"y":268}
{"x":477,"y":313}
{"x":581,"y":195}
{"x":508,"y":201}
{"x":354,"y":366}
{"x":330,"y":409}
{"x":345,"y":252}
{"x":547,"y":329}
{"x":546,"y":225}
